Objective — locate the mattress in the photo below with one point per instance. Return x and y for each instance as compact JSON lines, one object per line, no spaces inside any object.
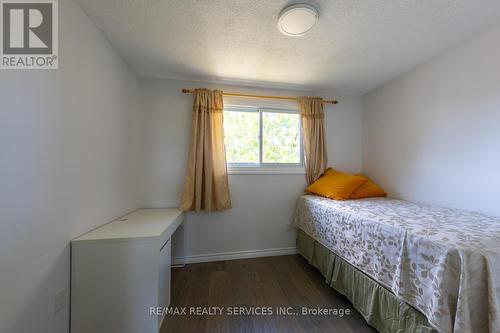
{"x":443,"y":262}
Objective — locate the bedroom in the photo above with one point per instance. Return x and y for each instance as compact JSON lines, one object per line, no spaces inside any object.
{"x":95,"y":162}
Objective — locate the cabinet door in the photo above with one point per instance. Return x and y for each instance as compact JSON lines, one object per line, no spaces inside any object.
{"x":164,"y":287}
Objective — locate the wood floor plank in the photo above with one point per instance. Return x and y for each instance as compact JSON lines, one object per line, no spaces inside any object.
{"x":284,"y":281}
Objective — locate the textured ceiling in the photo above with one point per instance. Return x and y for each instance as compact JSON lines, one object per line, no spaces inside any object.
{"x":356,"y":45}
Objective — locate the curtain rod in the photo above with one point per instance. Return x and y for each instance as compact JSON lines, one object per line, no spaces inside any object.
{"x":327,"y":101}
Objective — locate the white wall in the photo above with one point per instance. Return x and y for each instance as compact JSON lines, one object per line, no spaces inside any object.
{"x":262,"y":204}
{"x":433,"y":135}
{"x":67,"y":164}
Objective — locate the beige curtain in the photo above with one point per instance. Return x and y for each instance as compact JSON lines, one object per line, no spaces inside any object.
{"x":206,"y":185}
{"x":313,"y":133}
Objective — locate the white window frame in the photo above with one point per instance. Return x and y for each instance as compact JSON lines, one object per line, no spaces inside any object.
{"x":266,"y":168}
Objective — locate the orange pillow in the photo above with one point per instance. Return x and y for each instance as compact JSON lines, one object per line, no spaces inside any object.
{"x":368,"y":190}
{"x":336,"y":185}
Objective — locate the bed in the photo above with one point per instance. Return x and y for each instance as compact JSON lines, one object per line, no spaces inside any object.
{"x":442,"y":262}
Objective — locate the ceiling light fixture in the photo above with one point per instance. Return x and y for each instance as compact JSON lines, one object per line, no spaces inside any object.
{"x":297,"y":19}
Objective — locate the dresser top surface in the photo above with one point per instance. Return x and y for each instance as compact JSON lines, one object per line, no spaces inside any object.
{"x":139,"y":224}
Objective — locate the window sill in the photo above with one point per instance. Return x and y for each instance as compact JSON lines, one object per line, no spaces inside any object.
{"x":265,"y":171}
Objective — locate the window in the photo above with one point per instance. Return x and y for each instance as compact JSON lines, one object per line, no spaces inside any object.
{"x":262,"y":140}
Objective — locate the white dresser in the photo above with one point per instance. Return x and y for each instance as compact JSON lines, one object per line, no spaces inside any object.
{"x":120,"y":270}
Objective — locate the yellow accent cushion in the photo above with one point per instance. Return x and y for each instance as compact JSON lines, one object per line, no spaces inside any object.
{"x":336,"y":185}
{"x":368,"y":190}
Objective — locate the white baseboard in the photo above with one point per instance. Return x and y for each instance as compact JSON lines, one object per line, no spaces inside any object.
{"x":234,"y":255}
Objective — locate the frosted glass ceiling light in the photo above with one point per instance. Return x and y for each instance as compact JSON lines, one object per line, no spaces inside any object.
{"x":297,"y":19}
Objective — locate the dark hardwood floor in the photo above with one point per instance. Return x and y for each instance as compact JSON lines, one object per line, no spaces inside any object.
{"x":285,"y":281}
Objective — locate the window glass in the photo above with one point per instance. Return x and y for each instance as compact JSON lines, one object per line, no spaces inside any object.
{"x":262,"y":137}
{"x":241,"y":136}
{"x":280,"y":137}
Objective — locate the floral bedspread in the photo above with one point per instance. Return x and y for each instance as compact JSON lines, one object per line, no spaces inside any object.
{"x":444,"y":262}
